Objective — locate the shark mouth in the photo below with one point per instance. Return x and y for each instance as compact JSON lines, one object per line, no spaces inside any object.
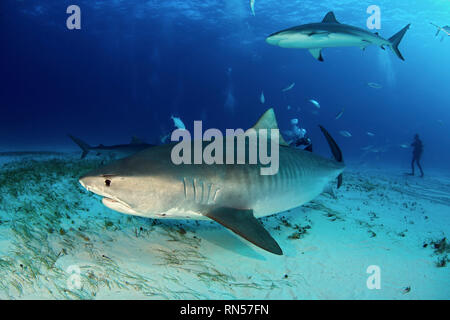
{"x":118,"y":205}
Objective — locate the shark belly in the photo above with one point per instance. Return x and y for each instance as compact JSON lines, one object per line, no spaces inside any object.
{"x":324,"y":40}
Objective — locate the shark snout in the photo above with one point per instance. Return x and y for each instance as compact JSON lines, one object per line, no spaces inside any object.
{"x":82,"y":183}
{"x":273,"y":39}
{"x":88,"y":182}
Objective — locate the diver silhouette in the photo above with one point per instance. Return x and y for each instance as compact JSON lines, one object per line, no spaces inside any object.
{"x":417,"y":154}
{"x":300,"y":139}
{"x":303,"y":141}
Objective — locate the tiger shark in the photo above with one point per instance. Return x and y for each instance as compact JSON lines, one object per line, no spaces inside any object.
{"x":330,"y":33}
{"x":115,"y":151}
{"x":149,"y":184}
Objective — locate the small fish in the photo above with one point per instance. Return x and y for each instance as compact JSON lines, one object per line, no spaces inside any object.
{"x":340,"y":114}
{"x":263,"y":100}
{"x":289,"y":87}
{"x":165,"y":138}
{"x":345,"y":133}
{"x":294,"y":121}
{"x":289,"y":107}
{"x":367,"y":147}
{"x":404,"y":146}
{"x":315,"y":103}
{"x":370,"y":134}
{"x":375,"y":85}
{"x":252,"y":6}
{"x":177,"y":122}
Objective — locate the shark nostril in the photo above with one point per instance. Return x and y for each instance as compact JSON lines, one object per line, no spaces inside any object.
{"x":108,"y":182}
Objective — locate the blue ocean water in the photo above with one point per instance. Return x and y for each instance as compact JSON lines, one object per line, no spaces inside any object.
{"x":133,"y":64}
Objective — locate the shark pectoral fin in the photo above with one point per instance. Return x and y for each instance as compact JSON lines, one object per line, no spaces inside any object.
{"x":243,"y":223}
{"x":317,"y":53}
{"x":330,"y":191}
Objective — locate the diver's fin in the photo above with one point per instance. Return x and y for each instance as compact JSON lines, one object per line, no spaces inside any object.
{"x":337,"y":153}
{"x":317,"y":53}
{"x":244,"y":224}
{"x":83,"y":145}
{"x":269,"y":121}
{"x":135,"y":140}
{"x":395,"y":41}
{"x":330,"y":18}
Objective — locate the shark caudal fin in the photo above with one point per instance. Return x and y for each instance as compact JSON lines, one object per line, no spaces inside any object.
{"x":396,"y":39}
{"x":83,"y":145}
{"x":337,"y":153}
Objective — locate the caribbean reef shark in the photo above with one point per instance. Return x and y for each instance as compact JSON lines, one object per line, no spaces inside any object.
{"x":116,"y":151}
{"x":149,"y":184}
{"x":445,"y":29}
{"x":330,"y":33}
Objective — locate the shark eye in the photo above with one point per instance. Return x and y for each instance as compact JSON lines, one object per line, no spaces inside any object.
{"x":107,"y":182}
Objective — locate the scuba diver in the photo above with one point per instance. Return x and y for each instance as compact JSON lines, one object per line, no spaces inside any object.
{"x":299,"y":137}
{"x":304,"y":141}
{"x":417,"y":154}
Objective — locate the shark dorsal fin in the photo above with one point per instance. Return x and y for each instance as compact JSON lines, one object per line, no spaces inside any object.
{"x":268,"y":121}
{"x":330,"y":18}
{"x":135,"y":140}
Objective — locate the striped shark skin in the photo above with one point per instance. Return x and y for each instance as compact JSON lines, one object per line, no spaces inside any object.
{"x":149,"y":184}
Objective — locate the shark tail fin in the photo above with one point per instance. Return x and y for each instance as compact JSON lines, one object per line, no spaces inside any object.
{"x":396,"y":39}
{"x":83,"y":145}
{"x":337,"y":153}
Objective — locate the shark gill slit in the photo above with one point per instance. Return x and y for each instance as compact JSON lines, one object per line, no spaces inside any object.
{"x":209,"y":193}
{"x":184,"y":185}
{"x":203,"y":192}
{"x":195,"y":190}
{"x":215,"y":195}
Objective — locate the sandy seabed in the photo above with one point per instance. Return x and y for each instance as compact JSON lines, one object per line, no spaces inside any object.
{"x":57,"y":241}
